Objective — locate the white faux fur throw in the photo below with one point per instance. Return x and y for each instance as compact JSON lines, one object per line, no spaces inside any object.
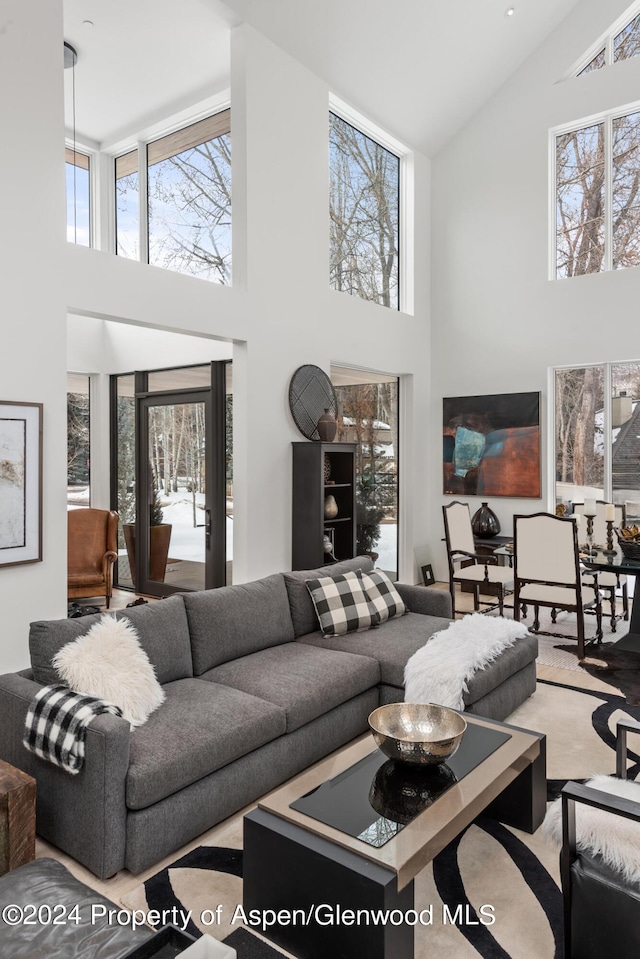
{"x":109,"y":662}
{"x":614,"y":838}
{"x":440,"y":671}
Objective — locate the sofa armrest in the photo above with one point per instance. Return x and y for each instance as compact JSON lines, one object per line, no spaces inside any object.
{"x":84,"y":815}
{"x":423,"y":599}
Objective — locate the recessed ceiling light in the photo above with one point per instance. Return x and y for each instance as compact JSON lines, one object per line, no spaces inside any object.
{"x":509,"y":12}
{"x":87,"y":24}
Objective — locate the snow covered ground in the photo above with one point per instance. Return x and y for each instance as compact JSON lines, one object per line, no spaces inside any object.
{"x":387,"y":547}
{"x":187,"y":541}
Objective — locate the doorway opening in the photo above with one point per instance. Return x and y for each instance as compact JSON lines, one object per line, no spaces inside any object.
{"x":172,"y":477}
{"x":368,"y":414}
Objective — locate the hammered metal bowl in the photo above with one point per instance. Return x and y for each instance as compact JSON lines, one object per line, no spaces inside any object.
{"x":423,"y":734}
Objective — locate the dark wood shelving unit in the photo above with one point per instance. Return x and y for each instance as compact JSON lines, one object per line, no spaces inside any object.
{"x":309,"y":493}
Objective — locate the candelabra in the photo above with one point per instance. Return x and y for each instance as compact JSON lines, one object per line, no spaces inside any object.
{"x":591,"y":549}
{"x":610,"y":550}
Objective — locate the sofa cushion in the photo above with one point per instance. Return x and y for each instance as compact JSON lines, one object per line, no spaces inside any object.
{"x":303,"y":614}
{"x":506,"y":664}
{"x":304,"y":681}
{"x":162,"y":630}
{"x":390,"y":645}
{"x":341,"y":604}
{"x":237,"y":620}
{"x":199,"y":728}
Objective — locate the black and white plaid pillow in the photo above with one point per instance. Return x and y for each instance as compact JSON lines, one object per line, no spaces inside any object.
{"x":383,"y":595}
{"x":341,"y":604}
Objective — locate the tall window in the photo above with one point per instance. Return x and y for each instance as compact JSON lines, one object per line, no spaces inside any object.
{"x":364,"y":197}
{"x":368,"y":416}
{"x":78,"y":440}
{"x":597,"y":416}
{"x":597,"y":196}
{"x":620,"y":44}
{"x":77,"y":167}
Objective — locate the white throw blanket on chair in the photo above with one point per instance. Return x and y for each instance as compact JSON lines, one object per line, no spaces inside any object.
{"x":440,"y":670}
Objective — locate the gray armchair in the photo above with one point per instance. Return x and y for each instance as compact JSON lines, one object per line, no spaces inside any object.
{"x":601,"y":909}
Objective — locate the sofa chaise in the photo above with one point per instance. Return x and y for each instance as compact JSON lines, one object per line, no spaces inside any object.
{"x":254,"y":694}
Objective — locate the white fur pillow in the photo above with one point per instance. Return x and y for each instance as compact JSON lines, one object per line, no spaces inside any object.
{"x":109,"y":662}
{"x":614,"y":838}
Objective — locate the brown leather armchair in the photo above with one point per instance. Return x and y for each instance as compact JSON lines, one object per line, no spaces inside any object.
{"x":91,"y":552}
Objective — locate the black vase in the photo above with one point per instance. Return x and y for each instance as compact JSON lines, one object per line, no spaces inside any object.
{"x":485,"y":523}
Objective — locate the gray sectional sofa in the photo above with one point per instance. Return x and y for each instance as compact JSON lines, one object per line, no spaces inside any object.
{"x":254,"y":694}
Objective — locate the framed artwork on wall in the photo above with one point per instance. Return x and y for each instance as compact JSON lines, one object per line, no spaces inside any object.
{"x":491,"y":445}
{"x":20,"y":483}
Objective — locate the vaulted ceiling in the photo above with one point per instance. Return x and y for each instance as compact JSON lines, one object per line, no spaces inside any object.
{"x":419,"y":68}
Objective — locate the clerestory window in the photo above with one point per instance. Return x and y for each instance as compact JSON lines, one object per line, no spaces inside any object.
{"x":621,"y":43}
{"x":364,"y":205}
{"x":187,"y":203}
{"x":78,"y":179}
{"x":597,"y":198}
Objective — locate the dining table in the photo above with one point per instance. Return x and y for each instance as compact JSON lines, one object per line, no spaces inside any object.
{"x":617,"y":562}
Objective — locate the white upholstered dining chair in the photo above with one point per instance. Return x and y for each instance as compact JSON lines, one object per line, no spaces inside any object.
{"x":609,"y":583}
{"x":479,"y":570}
{"x":547,"y":571}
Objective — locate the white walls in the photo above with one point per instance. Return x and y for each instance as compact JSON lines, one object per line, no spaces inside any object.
{"x":499,"y":323}
{"x":103,"y":347}
{"x":279,"y":313}
{"x":32,"y":240}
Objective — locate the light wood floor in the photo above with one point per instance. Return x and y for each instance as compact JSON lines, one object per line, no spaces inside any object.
{"x":124,"y":881}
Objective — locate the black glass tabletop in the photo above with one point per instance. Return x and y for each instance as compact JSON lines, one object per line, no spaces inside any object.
{"x":616,"y":561}
{"x":376,"y":797}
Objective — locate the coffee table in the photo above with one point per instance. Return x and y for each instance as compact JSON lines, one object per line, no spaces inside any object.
{"x":325,"y":887}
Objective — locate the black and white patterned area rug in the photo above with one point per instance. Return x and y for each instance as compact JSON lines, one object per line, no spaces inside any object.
{"x":488,"y":865}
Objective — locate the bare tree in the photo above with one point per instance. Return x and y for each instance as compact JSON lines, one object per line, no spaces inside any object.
{"x":579,"y":394}
{"x":580,"y":201}
{"x":581,"y":197}
{"x":626,"y":183}
{"x":364,"y":198}
{"x":190,"y":211}
{"x":78,"y":454}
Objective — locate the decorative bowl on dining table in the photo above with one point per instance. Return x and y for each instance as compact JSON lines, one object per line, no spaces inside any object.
{"x":629,"y":541}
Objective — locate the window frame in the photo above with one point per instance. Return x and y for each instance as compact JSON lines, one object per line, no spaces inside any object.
{"x":90,"y":408}
{"x":607,"y":367}
{"x":146,"y":137}
{"x":406,"y":192}
{"x":604,"y":41}
{"x":93,"y":156}
{"x":607,"y":118}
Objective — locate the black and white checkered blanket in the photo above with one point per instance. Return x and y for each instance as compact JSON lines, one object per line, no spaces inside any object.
{"x":56,"y":725}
